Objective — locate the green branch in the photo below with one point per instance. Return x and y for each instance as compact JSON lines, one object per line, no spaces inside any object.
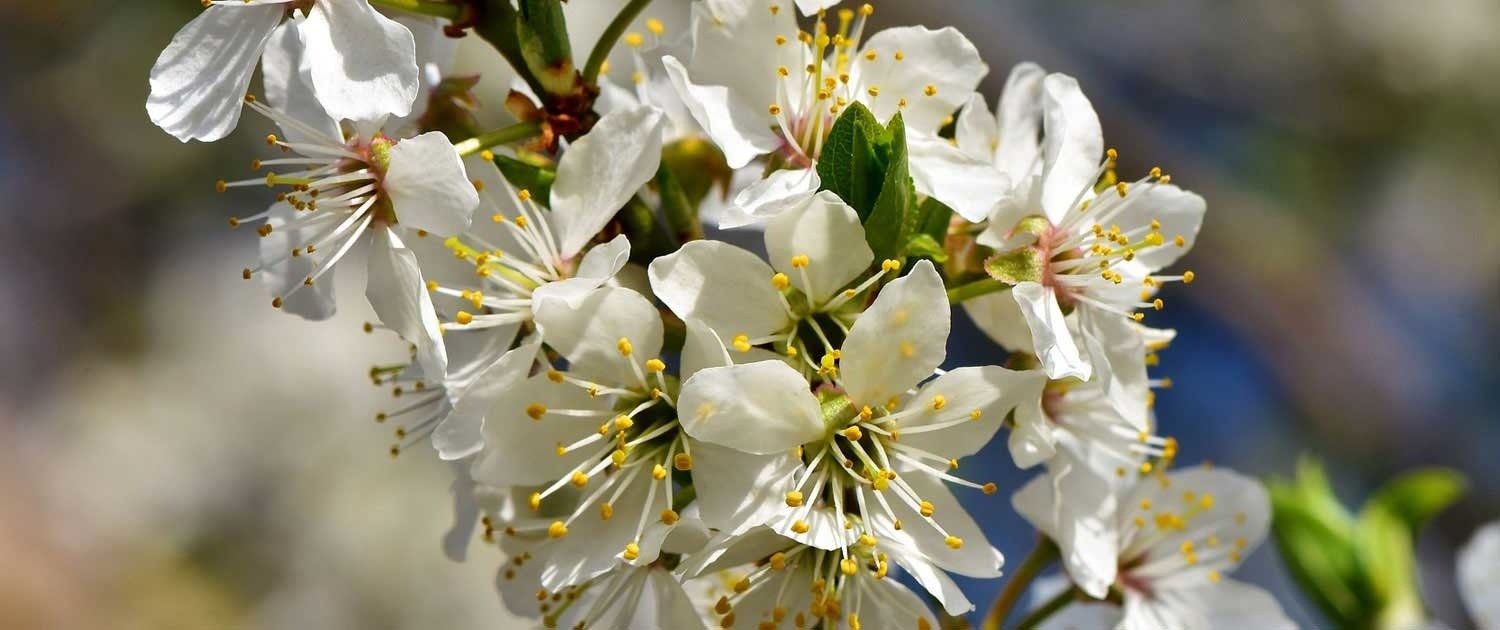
{"x":606,"y":42}
{"x":1058,"y":602}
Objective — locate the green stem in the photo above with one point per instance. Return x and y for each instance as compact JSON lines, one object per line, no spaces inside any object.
{"x":497,"y":25}
{"x":679,"y":212}
{"x":1059,"y":602}
{"x":975,"y":289}
{"x":518,"y":131}
{"x":1042,"y":556}
{"x":423,"y":7}
{"x":606,"y":42}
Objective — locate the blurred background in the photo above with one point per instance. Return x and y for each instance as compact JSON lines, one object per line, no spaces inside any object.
{"x":175,"y":454}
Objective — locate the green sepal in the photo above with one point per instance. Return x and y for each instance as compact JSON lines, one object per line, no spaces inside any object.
{"x":848,"y":164}
{"x":894,"y":218}
{"x":526,"y":176}
{"x":1023,"y":264}
{"x":924,"y":246}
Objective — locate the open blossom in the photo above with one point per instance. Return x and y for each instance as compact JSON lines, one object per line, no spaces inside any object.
{"x":761,"y":87}
{"x":1096,"y":256}
{"x":347,"y":185}
{"x":875,"y":430}
{"x":605,"y":431}
{"x":1168,"y":548}
{"x":362,"y":65}
{"x":774,"y":582}
{"x":534,"y":253}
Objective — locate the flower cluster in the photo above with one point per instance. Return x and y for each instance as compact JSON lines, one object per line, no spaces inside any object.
{"x":662,"y":430}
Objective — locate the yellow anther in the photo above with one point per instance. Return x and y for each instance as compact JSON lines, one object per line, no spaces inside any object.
{"x":976,"y":414}
{"x":579,"y":479}
{"x":870,"y":55}
{"x":634,"y":40}
{"x":464,"y":318}
{"x":990,"y":488}
{"x":1145,"y":468}
{"x":623,"y":422}
{"x":487,"y":155}
{"x":741,"y":342}
{"x":682,"y":461}
{"x":1213,"y":576}
{"x":774,"y":109}
{"x":827,"y":363}
{"x":1187,"y":277}
{"x":853,"y":433}
{"x":874,"y":91}
{"x":623,"y":345}
{"x":775,"y":9}
{"x":741,"y":585}
{"x":1138,"y":316}
{"x":930,"y":90}
{"x":632,"y":551}
{"x":618,"y":457}
{"x":655,"y":365}
{"x":524,"y":194}
{"x":889,"y":265}
{"x":1179,"y":241}
{"x":554,"y":376}
{"x":799,"y":261}
{"x":658,"y":472}
{"x":557,"y":530}
{"x":907,"y":349}
{"x":606,"y":511}
{"x":954,"y":542}
{"x":938,"y":402}
{"x":780,"y":40}
{"x":536,"y":410}
{"x":900,"y":56}
{"x":1207,"y":502}
{"x":848,"y":566}
{"x":1158,"y":304}
{"x":1121,"y":188}
{"x":535,"y":501}
{"x":522,"y":222}
{"x":925,"y":508}
{"x":722,"y":606}
{"x":1112,"y":154}
{"x":561,"y":449}
{"x":794,"y":499}
{"x":778,"y":561}
{"x":669,"y":517}
{"x":800,"y":527}
{"x":865,"y":413}
{"x":866,"y":9}
{"x":780,"y":281}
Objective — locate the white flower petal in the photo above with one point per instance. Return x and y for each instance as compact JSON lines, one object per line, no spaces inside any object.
{"x":1018,"y":119}
{"x":465,"y":514}
{"x":1179,"y":211}
{"x":599,"y":264}
{"x":942,"y":59}
{"x":741,"y":131}
{"x":364,"y":65}
{"x":461,"y":434}
{"x":436,"y":53}
{"x":522,"y":451}
{"x":893,"y":605}
{"x":810,"y":7}
{"x":589,"y":335}
{"x":970,"y":186}
{"x":998,"y":315}
{"x":601,"y":171}
{"x":1239,"y":509}
{"x":776,"y":193}
{"x":428,"y":185}
{"x":975,"y":559}
{"x":1117,"y":352}
{"x":976,"y":131}
{"x":1049,"y":332}
{"x":704,"y":348}
{"x":284,"y":278}
{"x":725,"y":287}
{"x":1226,"y":604}
{"x":287,"y":76}
{"x":739,"y":491}
{"x":1478,"y":572}
{"x":933,"y":579}
{"x":828,"y":232}
{"x":760,"y":408}
{"x":198,"y":83}
{"x":991,"y":391}
{"x":899,"y":340}
{"x":399,"y":296}
{"x":1088,"y":497}
{"x":1072,"y":145}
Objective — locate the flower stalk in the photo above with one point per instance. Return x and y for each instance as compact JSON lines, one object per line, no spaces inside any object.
{"x":503,"y":135}
{"x":607,"y":40}
{"x":1042,"y":556}
{"x":985,"y":286}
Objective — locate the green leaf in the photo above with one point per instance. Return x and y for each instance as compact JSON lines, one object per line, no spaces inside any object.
{"x":1385,"y":546}
{"x":893,"y":218}
{"x":934,"y":219}
{"x":1318,"y":548}
{"x":522,"y":175}
{"x":925,"y":246}
{"x":848,"y":164}
{"x":1415,"y":497}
